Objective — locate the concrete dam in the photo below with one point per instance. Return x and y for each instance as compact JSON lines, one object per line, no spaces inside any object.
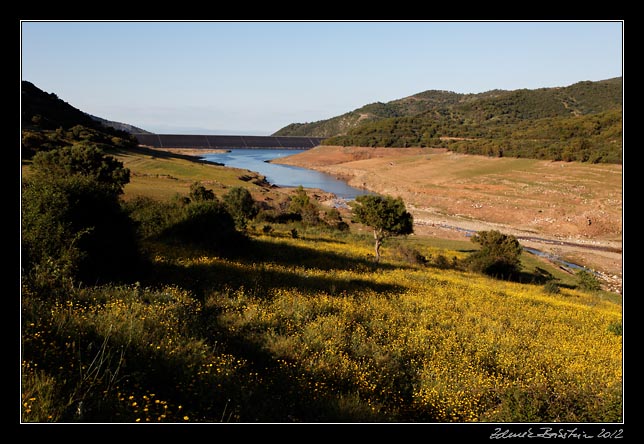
{"x":227,"y":142}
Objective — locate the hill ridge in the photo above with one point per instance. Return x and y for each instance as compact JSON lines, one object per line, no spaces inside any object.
{"x":584,"y":97}
{"x":43,"y":110}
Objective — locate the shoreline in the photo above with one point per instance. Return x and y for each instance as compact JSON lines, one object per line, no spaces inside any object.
{"x":603,"y":256}
{"x":462,"y":202}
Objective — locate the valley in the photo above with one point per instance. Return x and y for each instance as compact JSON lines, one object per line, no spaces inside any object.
{"x":568,"y":209}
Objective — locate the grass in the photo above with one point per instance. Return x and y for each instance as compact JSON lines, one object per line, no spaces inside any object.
{"x":162,"y":175}
{"x":310,"y":329}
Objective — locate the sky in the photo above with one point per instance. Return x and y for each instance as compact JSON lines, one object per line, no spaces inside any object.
{"x":256,"y":77}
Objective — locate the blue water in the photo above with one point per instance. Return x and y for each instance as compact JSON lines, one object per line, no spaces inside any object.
{"x":556,"y":259}
{"x":283,"y":175}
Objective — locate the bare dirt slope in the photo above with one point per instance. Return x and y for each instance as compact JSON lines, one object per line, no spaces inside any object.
{"x":570,"y":209}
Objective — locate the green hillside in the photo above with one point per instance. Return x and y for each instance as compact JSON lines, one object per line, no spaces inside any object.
{"x":49,"y":123}
{"x":578,"y":122}
{"x":46,"y":111}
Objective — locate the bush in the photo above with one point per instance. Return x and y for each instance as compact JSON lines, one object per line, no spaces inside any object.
{"x":278,"y":217}
{"x":499,"y":255}
{"x":199,"y":193}
{"x":588,"y":281}
{"x":299,"y":201}
{"x":411,"y":255}
{"x":75,"y":226}
{"x":441,"y":262}
{"x":82,"y":160}
{"x":615,"y":328}
{"x":205,"y":224}
{"x":551,"y":287}
{"x":241,"y":206}
{"x":342,"y":226}
{"x":152,"y":217}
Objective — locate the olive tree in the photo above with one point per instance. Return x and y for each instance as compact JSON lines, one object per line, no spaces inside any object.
{"x":387,"y":216}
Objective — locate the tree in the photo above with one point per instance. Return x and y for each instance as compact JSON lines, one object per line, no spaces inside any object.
{"x":240,"y":205}
{"x":499,"y":255}
{"x":385,"y":215}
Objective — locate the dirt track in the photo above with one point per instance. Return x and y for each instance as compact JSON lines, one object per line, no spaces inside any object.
{"x":569,"y":209}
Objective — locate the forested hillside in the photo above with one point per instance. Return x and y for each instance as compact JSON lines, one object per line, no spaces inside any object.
{"x":579,"y":122}
{"x":49,"y":123}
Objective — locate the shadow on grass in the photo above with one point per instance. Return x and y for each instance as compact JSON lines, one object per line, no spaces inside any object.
{"x":540,"y":276}
{"x":160,"y":154}
{"x":251,"y":267}
{"x":287,"y":391}
{"x":283,"y":392}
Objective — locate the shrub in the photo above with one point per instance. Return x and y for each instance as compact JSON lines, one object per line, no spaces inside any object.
{"x":411,"y":255}
{"x":278,"y":217}
{"x":310,"y":214}
{"x":152,"y":217}
{"x":82,"y":160}
{"x":199,"y":193}
{"x":551,"y":287}
{"x":499,"y":255}
{"x":299,"y":201}
{"x":588,"y":281}
{"x":241,"y":206}
{"x":615,"y":328}
{"x":74,"y":227}
{"x":204,"y":223}
{"x":442,"y":262}
{"x":342,"y":226}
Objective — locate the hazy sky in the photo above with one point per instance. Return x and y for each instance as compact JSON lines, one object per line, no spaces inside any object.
{"x":256,"y":77}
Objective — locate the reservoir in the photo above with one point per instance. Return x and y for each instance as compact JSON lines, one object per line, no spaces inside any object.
{"x":283,"y":175}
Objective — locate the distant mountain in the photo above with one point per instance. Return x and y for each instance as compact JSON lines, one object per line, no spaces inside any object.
{"x":121,"y":126}
{"x":581,"y":122}
{"x":46,"y":111}
{"x":500,"y":105}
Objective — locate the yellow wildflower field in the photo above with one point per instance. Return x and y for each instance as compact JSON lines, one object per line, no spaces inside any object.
{"x":310,"y":329}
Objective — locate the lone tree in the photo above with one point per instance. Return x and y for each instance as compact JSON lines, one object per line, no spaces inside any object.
{"x":387,"y":216}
